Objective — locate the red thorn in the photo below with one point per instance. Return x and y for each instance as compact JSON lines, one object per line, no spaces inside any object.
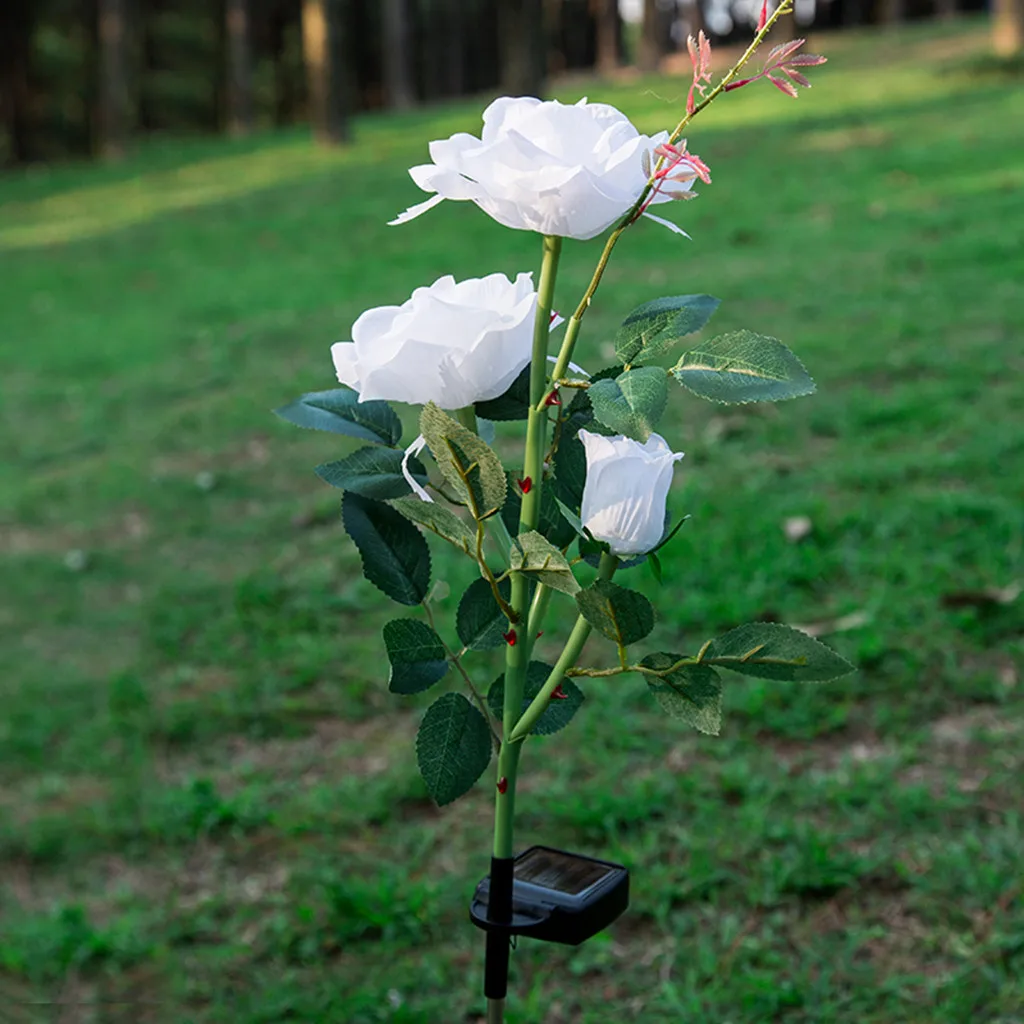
{"x":539,"y":635}
{"x":763,"y":20}
{"x":503,"y":785}
{"x":525,"y":485}
{"x":510,"y":637}
{"x":558,"y":693}
{"x":553,"y":399}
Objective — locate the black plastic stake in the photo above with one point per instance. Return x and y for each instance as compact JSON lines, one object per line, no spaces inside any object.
{"x":499,"y":940}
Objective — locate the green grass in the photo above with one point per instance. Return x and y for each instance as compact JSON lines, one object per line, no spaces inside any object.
{"x":208,"y":800}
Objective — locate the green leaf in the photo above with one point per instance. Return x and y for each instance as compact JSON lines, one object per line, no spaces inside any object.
{"x":341,"y":412}
{"x":571,"y":518}
{"x":692,"y":692}
{"x":453,"y":747}
{"x":513,"y":405}
{"x":656,"y":326}
{"x":743,"y":367}
{"x":769,"y":650}
{"x":580,"y":405}
{"x":571,"y":463}
{"x":466,"y":462}
{"x":633,"y":403}
{"x":395,"y":556}
{"x":532,"y":554}
{"x":418,"y":658}
{"x":479,"y":621}
{"x":621,"y":614}
{"x":438,"y":519}
{"x":373,"y":473}
{"x":555,"y":716}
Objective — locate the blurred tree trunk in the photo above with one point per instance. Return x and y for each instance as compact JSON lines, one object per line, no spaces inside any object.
{"x":652,"y":38}
{"x":284,"y":92}
{"x":17,"y":21}
{"x":945,"y":8}
{"x":113,"y":85}
{"x":523,"y":47}
{"x":1008,"y":27}
{"x":693,"y":15}
{"x":606,"y":13}
{"x":398,"y":79}
{"x":238,"y":51}
{"x":892,"y":12}
{"x":322,"y":23}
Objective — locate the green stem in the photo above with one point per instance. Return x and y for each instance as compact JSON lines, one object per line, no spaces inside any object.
{"x":572,"y":329}
{"x":570,"y":653}
{"x":517,"y":655}
{"x":536,"y":422}
{"x":538,"y":609}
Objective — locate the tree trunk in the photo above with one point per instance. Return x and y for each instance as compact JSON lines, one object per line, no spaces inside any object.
{"x":113,"y":85}
{"x":606,"y":13}
{"x":523,"y":47}
{"x":652,"y":39}
{"x":16,"y":24}
{"x":238,"y":51}
{"x":397,"y":67}
{"x":322,"y":23}
{"x":1008,"y":27}
{"x":892,"y":12}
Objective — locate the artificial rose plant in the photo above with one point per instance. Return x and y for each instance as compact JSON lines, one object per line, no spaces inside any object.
{"x":590,"y":491}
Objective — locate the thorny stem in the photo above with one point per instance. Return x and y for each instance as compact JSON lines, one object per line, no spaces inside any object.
{"x":783,"y":9}
{"x":572,"y":650}
{"x":517,"y":653}
{"x":572,"y":329}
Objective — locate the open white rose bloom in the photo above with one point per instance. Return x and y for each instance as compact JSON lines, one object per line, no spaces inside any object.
{"x":570,"y":171}
{"x":454,"y":343}
{"x":626,"y":490}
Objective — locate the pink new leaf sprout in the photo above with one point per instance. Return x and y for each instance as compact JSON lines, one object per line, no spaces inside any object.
{"x":700,"y":58}
{"x":675,"y":164}
{"x":784,"y":59}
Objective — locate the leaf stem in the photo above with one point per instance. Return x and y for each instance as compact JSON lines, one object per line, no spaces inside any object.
{"x":572,"y":650}
{"x":456,"y":660}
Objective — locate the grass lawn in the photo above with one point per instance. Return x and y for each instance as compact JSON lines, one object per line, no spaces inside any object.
{"x":209,"y":807}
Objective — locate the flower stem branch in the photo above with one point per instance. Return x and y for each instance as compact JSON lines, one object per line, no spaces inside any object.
{"x":536,"y":422}
{"x":572,"y":329}
{"x":783,"y":9}
{"x":572,"y":650}
{"x":517,"y":655}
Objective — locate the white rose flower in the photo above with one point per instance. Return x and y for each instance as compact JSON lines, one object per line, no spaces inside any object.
{"x":543,"y":166}
{"x":452,"y":343}
{"x":626,"y":489}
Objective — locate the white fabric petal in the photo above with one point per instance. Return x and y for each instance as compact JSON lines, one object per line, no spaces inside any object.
{"x":453,"y":343}
{"x":571,"y":171}
{"x":414,"y":449}
{"x":626,"y":490}
{"x":414,"y":211}
{"x":675,"y":228}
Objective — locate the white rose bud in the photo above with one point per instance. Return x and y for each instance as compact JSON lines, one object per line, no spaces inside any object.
{"x":627,"y":486}
{"x":452,"y":343}
{"x":543,"y":166}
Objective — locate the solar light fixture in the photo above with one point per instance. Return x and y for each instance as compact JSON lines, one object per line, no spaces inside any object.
{"x":545,"y":894}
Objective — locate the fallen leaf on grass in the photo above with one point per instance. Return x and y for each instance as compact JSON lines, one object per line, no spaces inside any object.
{"x":796,"y":528}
